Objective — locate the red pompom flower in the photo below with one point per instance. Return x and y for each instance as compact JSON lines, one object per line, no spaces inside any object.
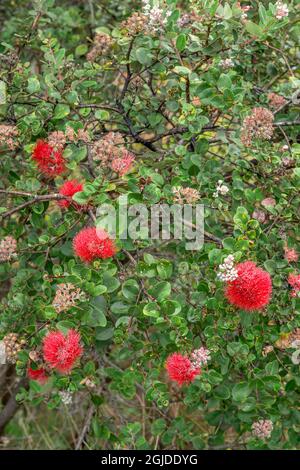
{"x":49,"y":161}
{"x":62,"y":351}
{"x":180,"y":369}
{"x":91,"y":243}
{"x":69,"y":188}
{"x":37,"y":374}
{"x":252,"y":289}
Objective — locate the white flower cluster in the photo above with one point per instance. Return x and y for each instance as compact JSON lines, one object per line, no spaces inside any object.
{"x":226,"y":63}
{"x":157,"y":16}
{"x":227,"y":271}
{"x":200,"y":357}
{"x":262,"y":428}
{"x":221,"y":189}
{"x":66,"y":397}
{"x":296,"y":354}
{"x":244,"y":9}
{"x":281,"y":10}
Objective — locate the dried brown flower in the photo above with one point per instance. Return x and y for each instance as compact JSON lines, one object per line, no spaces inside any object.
{"x":258,"y":125}
{"x":135,"y":24}
{"x":276,"y":101}
{"x":8,"y":248}
{"x":8,"y":136}
{"x":13,"y":345}
{"x":108,"y":148}
{"x":67,"y":295}
{"x":101,"y":45}
{"x":185,"y":195}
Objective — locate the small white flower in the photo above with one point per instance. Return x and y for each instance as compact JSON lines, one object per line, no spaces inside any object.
{"x":226,"y":63}
{"x":227,"y":271}
{"x":224,"y":189}
{"x":66,"y":397}
{"x":221,"y":189}
{"x":296,"y":357}
{"x":157,"y":16}
{"x":282,"y":10}
{"x":200,"y":357}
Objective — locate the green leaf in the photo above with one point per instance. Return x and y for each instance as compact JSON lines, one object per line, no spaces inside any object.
{"x":171,"y":307}
{"x":254,"y":29}
{"x":130,"y":289}
{"x":119,"y":307}
{"x":229,"y":243}
{"x":164,"y":269}
{"x":110,"y":282}
{"x":270,"y":266}
{"x":181,"y":42}
{"x":236,"y":348}
{"x":160,"y":291}
{"x":263,"y":15}
{"x":227,"y":12}
{"x":222,"y":392}
{"x":61,"y":111}
{"x":182,"y":70}
{"x":80,"y":197}
{"x":241,"y":391}
{"x":224,"y":82}
{"x":97,"y":316}
{"x":72,"y":97}
{"x":50,"y":312}
{"x":99,"y":290}
{"x":241,"y":218}
{"x":143,"y":55}
{"x":215,"y":256}
{"x":151,"y":310}
{"x":81,"y":50}
{"x":65,"y":325}
{"x":214,"y":377}
{"x":104,"y":334}
{"x":272,"y":368}
{"x":78,"y":154}
{"x":33,"y":85}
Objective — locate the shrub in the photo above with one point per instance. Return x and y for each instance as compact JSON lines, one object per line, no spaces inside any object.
{"x":193,"y":102}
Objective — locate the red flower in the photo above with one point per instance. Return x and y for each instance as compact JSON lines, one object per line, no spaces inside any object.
{"x":39,"y":375}
{"x":49,"y":161}
{"x":252,"y":289}
{"x":180,"y":369}
{"x":91,"y":243}
{"x":61,"y":352}
{"x":69,"y":188}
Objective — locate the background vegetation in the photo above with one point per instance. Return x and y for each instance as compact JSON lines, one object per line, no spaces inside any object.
{"x":178,"y":91}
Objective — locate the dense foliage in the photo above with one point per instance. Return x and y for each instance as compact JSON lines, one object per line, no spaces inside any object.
{"x":194,"y":101}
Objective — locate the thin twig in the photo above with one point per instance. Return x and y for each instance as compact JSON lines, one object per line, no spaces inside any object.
{"x":85,"y":428}
{"x":37,"y":199}
{"x":12,"y":405}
